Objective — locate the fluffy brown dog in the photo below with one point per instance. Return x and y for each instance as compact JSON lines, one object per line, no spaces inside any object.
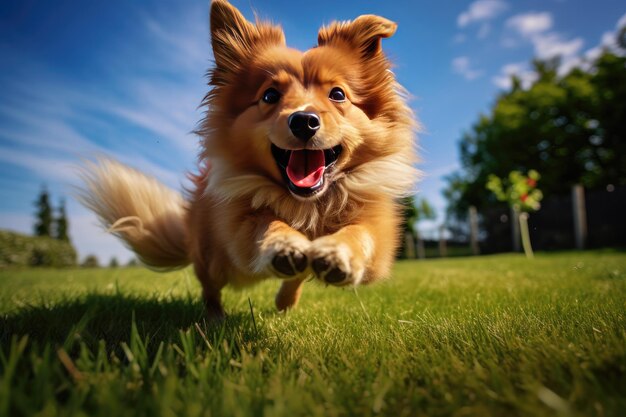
{"x":304,"y":157}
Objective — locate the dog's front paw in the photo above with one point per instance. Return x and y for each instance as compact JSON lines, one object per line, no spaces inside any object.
{"x":289,"y":262}
{"x":284,"y":255}
{"x":335,"y":263}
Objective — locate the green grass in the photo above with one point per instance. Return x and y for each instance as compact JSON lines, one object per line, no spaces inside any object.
{"x":495,"y":335}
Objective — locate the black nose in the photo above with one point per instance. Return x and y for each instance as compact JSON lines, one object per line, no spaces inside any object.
{"x":303,"y":125}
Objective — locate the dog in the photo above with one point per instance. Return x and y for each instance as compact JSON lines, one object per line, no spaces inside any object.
{"x":304,"y":159}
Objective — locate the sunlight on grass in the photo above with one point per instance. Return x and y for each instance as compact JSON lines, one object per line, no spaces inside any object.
{"x":495,"y":335}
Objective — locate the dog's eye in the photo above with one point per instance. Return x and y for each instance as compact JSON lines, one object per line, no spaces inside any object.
{"x":271,"y":96}
{"x":337,"y":94}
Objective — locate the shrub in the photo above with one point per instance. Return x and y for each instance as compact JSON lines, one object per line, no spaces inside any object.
{"x":91,"y":261}
{"x":20,"y":250}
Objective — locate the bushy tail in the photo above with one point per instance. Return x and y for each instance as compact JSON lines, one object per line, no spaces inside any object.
{"x":145,"y":214}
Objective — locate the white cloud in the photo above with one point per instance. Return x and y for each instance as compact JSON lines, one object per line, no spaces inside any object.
{"x":48,"y":168}
{"x":481,"y":10}
{"x":552,"y":44}
{"x":509,"y":42}
{"x":621,"y":22}
{"x":463,"y":66}
{"x":484,"y":31}
{"x":440,"y":171}
{"x":520,"y":70}
{"x":139,"y":109}
{"x":608,"y":42}
{"x":535,"y":27}
{"x":52,"y":149}
{"x":529,"y":24}
{"x":460,"y":38}
{"x":190,"y":44}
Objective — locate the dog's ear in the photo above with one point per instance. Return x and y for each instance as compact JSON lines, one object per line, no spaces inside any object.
{"x":230,"y":34}
{"x":364,"y":33}
{"x":234,"y":39}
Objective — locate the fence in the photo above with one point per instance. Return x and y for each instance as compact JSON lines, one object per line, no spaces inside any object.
{"x":583,"y":219}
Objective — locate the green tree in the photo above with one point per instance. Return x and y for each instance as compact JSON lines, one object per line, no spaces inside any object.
{"x":43,"y":223}
{"x":61,"y":224}
{"x":522,"y":195}
{"x":570,"y":128}
{"x":415,"y":210}
{"x":90,"y":261}
{"x":114,"y":263}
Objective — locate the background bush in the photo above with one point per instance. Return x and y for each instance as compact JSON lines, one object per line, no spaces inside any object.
{"x":21,"y":250}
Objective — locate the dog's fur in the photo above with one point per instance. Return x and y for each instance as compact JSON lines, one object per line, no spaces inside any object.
{"x":240,"y":223}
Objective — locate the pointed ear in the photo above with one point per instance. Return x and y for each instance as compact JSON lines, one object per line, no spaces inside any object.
{"x":230,"y":31}
{"x":364,"y":33}
{"x":234,"y":39}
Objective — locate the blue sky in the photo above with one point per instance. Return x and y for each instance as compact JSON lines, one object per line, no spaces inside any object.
{"x":126,"y":78}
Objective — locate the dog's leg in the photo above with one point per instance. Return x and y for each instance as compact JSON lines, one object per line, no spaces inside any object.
{"x":341,"y":258}
{"x":289,"y":294}
{"x":358,"y":253}
{"x":211,"y":292}
{"x":280,"y":250}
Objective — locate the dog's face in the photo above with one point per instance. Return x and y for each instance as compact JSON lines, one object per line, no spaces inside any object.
{"x":301,"y":118}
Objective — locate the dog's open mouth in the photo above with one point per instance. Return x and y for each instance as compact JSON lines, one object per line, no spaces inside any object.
{"x":304,"y":169}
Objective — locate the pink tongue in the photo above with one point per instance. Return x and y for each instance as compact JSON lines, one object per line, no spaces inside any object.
{"x":306,"y":167}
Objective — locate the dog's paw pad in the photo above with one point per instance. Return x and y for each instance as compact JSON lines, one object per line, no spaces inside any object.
{"x":333,"y":266}
{"x":335,"y":276}
{"x":290,"y":263}
{"x":331,"y":274}
{"x":320,"y":265}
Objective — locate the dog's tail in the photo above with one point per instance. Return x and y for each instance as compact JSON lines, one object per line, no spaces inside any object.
{"x":145,"y":214}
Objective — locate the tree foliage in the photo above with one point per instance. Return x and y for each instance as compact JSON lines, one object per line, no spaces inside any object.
{"x":43,"y":223}
{"x":416,"y":210}
{"x":21,"y":250}
{"x":91,"y":261}
{"x":46,"y":223}
{"x":570,"y":128}
{"x":61,"y":224}
{"x":518,"y":190}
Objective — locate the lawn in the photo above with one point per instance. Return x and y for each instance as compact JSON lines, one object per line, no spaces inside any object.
{"x":494,"y":335}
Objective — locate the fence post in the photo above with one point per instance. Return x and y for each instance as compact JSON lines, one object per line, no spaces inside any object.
{"x":442,"y":241}
{"x":473,"y":219}
{"x":580,"y":215}
{"x":421,"y":252}
{"x":515,"y":232}
{"x":409,"y":245}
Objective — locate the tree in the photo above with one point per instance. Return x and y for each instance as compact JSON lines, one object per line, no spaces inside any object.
{"x":415,"y":210}
{"x":424,"y":212}
{"x":114,"y":263}
{"x":61,"y":223}
{"x":570,"y":128}
{"x":43,"y":224}
{"x":90,"y":261}
{"x":522,"y":195}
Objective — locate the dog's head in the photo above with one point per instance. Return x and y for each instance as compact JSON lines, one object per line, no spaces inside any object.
{"x":303,"y":119}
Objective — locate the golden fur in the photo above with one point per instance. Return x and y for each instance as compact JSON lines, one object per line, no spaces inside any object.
{"x":240,"y":224}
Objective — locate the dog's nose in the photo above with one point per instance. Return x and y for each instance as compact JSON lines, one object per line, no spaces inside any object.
{"x":303,"y":125}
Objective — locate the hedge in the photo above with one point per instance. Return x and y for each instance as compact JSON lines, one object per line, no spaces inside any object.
{"x":20,"y":250}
